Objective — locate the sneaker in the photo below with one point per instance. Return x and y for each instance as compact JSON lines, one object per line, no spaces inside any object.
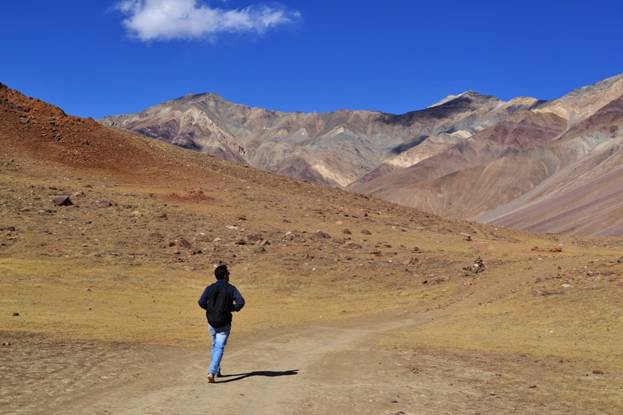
{"x":211,"y":378}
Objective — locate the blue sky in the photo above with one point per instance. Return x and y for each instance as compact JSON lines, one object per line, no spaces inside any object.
{"x":99,"y":57}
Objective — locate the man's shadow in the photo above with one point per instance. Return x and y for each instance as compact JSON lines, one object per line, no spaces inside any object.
{"x":267,"y":373}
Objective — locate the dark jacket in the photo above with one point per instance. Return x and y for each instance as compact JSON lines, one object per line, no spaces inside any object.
{"x":219,"y":300}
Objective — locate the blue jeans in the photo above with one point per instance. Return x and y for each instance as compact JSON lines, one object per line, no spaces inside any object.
{"x":219,"y":340}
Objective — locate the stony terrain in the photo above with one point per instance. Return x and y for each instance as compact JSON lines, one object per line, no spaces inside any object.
{"x":376,"y":307}
{"x":522,"y":163}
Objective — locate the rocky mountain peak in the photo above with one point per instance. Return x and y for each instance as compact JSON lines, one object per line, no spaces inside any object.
{"x":466,"y":95}
{"x":203,"y":98}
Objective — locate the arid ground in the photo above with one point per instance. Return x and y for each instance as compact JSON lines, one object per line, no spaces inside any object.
{"x":354,"y":305}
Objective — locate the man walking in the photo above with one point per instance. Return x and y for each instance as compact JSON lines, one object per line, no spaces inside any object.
{"x":219,"y":300}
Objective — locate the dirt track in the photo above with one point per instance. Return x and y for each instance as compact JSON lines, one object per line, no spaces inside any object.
{"x":336,"y":368}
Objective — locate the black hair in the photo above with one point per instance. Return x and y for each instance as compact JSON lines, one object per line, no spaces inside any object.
{"x":221,"y":272}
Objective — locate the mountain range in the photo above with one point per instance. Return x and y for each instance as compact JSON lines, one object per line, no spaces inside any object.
{"x":546,"y":166}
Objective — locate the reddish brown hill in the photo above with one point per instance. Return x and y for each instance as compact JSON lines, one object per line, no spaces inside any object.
{"x":33,"y":127}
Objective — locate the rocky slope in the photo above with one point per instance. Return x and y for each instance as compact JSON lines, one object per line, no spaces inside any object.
{"x":468,"y":156}
{"x":581,"y":190}
{"x":526,"y":171}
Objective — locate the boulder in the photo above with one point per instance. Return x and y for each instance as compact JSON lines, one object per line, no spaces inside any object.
{"x":321,"y":235}
{"x":353,"y":245}
{"x":255,"y":238}
{"x":477,"y":267}
{"x":184,"y":243}
{"x":411,"y":262}
{"x":62,"y":200}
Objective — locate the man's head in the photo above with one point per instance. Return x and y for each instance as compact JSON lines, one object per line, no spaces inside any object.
{"x":221,"y":272}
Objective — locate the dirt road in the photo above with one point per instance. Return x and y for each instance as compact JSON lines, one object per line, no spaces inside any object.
{"x":334,"y":368}
{"x":297,"y":371}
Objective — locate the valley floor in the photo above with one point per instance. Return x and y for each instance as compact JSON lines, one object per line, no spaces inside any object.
{"x":354,"y":305}
{"x":333,"y":368}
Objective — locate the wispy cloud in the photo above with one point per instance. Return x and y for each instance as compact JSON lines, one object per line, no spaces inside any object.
{"x":150,"y":20}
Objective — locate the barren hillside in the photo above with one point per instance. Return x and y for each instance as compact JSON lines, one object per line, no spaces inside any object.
{"x":469,"y":156}
{"x":527,"y":172}
{"x":330,"y":148}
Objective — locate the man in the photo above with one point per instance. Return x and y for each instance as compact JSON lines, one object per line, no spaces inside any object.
{"x":219,"y":300}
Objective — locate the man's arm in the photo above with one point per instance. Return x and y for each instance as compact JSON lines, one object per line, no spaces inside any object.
{"x":238,"y":300}
{"x":203,"y":300}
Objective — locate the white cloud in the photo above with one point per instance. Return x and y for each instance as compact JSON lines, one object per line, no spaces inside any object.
{"x":192,"y":19}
